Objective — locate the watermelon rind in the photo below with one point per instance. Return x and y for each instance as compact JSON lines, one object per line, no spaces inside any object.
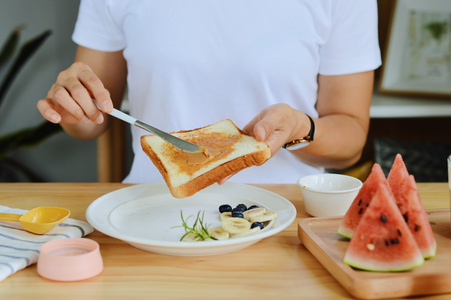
{"x":377,"y":266}
{"x":345,"y":232}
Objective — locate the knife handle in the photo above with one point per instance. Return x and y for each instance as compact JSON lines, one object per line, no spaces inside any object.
{"x":118,"y":114}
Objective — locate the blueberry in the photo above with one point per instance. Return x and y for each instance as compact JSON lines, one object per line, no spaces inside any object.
{"x":252,"y":207}
{"x":242,"y":207}
{"x":225,"y":208}
{"x":236,"y":214}
{"x":238,"y":209}
{"x":257,"y":224}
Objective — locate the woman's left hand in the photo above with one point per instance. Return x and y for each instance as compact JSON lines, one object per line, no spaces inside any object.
{"x":277,"y":125}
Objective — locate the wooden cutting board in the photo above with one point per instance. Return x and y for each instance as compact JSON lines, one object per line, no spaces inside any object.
{"x":319,"y":236}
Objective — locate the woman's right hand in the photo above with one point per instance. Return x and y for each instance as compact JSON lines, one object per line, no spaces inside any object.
{"x":69,"y":100}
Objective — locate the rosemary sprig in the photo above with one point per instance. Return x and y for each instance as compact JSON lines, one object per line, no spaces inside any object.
{"x":199,"y":229}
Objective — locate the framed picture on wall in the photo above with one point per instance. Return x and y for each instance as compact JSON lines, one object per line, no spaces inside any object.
{"x":417,"y":60}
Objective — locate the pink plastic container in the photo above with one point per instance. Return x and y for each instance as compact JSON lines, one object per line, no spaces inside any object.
{"x":70,"y":259}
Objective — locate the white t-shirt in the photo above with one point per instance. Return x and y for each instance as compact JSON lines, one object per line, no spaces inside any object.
{"x":194,"y":63}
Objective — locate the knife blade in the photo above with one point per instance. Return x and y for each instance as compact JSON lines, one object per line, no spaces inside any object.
{"x":175,"y":141}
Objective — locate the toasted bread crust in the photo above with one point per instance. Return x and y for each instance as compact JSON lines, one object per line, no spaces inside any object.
{"x":155,"y":160}
{"x":212,"y":176}
{"x":220,"y":172}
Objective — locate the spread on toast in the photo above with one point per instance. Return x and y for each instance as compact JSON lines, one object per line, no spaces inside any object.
{"x":216,"y":145}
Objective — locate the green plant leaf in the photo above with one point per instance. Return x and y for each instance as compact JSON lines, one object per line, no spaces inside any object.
{"x":27,"y":138}
{"x":10,"y":46}
{"x":26,"y":51}
{"x":199,"y":231}
{"x":437,"y":29}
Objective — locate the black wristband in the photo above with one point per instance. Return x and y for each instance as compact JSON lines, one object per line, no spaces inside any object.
{"x":311,"y":133}
{"x":305,"y":140}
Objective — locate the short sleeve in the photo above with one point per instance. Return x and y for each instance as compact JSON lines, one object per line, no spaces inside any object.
{"x":96,"y":27}
{"x":352,"y":45}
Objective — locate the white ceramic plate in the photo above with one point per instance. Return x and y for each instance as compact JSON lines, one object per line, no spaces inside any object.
{"x":145,"y":215}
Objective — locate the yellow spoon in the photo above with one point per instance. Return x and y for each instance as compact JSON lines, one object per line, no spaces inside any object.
{"x":39,"y":220}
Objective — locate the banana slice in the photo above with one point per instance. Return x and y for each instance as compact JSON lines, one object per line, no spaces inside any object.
{"x":219,"y":233}
{"x":225,"y":215}
{"x":236,"y":225}
{"x":247,"y":232}
{"x":255,"y":212}
{"x":265,"y":217}
{"x":232,"y":227}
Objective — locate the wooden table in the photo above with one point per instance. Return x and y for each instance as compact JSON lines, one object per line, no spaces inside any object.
{"x":278,"y":267}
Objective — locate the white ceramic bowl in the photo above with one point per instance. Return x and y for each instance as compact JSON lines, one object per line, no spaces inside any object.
{"x":327,"y":195}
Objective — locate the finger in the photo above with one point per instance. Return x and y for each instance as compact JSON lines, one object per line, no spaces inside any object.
{"x":62,"y":98}
{"x":83,"y":98}
{"x":55,"y":113}
{"x":71,"y":95}
{"x":249,"y":128}
{"x":267,"y":131}
{"x":261,"y":125}
{"x":96,"y":88}
{"x":48,"y":112}
{"x":261,"y":131}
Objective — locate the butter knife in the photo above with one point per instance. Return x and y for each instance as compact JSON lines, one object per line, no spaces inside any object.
{"x":175,"y":141}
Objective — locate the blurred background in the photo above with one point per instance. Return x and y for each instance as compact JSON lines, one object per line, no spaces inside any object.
{"x":59,"y":158}
{"x":417,"y":126}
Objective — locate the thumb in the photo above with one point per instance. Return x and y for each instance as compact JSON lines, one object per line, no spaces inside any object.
{"x":260,"y":132}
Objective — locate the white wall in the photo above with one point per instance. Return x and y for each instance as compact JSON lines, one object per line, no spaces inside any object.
{"x":60,"y":158}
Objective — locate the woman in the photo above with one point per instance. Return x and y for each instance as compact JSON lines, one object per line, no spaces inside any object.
{"x":276,"y":68}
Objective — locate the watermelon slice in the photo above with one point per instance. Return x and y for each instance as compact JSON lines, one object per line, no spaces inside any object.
{"x":355,"y":212}
{"x":408,"y":199}
{"x":397,"y":175}
{"x":382,"y":241}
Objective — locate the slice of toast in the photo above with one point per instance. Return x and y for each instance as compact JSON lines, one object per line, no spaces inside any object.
{"x":228,"y":151}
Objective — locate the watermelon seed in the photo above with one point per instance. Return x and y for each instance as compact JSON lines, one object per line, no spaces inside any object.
{"x":399,"y":232}
{"x":360,"y":211}
{"x":387,"y":243}
{"x":394,"y":241}
{"x":370,"y":247}
{"x":417,"y":227}
{"x":360,"y":202}
{"x":406,"y":217}
{"x":383,"y":218}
